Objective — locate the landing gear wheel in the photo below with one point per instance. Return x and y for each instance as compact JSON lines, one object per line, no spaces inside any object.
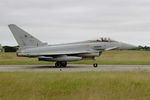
{"x":57,"y":64}
{"x":95,"y":65}
{"x":64,"y":64}
{"x":60,"y":64}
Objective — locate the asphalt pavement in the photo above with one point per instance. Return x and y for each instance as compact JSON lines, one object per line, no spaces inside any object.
{"x":72,"y":68}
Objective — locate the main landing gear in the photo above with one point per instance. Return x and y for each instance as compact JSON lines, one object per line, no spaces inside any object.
{"x":60,"y":64}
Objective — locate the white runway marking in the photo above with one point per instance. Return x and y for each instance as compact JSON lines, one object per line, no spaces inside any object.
{"x":72,"y":68}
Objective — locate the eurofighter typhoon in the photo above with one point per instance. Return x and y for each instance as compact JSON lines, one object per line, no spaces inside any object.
{"x":30,"y":46}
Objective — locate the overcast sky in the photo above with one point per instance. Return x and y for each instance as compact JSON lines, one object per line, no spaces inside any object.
{"x":61,"y":21}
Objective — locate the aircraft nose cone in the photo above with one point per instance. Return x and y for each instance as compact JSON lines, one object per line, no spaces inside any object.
{"x":127,"y":46}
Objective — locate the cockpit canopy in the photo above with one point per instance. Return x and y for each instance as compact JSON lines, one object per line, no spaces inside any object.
{"x":103,"y":39}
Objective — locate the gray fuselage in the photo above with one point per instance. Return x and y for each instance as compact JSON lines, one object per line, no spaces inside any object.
{"x":85,"y":49}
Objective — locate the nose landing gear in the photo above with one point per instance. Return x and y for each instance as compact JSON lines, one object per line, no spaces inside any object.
{"x":94,"y":62}
{"x":95,"y":65}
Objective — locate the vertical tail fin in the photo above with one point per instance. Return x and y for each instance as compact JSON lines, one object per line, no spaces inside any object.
{"x":24,"y":39}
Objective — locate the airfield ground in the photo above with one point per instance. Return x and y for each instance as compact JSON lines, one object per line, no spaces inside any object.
{"x":75,"y":68}
{"x":106,"y":84}
{"x":75,"y":86}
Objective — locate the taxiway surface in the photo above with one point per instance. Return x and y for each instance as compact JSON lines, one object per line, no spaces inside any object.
{"x":72,"y":68}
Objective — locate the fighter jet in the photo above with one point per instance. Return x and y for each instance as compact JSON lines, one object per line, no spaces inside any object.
{"x":30,"y":46}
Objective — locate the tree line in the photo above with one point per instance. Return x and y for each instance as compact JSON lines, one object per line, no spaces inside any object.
{"x":147,"y":48}
{"x":10,"y":48}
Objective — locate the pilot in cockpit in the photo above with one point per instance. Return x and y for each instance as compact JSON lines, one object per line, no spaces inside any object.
{"x":104,"y":40}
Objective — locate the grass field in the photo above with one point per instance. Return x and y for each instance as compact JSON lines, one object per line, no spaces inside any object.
{"x":75,"y":86}
{"x":110,"y":57}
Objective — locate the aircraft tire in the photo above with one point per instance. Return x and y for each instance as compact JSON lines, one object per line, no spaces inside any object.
{"x":63,"y":63}
{"x":95,"y":65}
{"x":60,"y":64}
{"x":57,"y":64}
